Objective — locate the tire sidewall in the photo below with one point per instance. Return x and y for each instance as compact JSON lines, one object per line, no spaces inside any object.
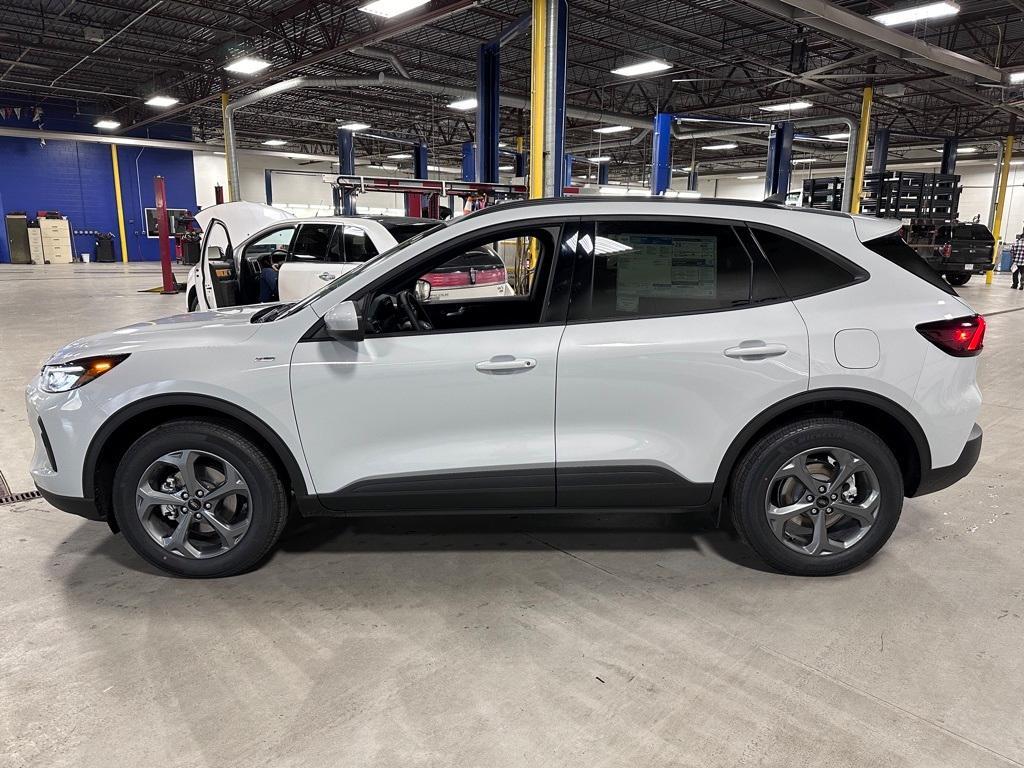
{"x":265,"y":498}
{"x":773,"y":452}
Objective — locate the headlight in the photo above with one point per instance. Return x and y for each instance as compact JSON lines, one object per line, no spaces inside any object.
{"x":67,"y":376}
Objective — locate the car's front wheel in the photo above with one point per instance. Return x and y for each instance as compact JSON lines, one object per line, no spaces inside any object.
{"x":957,"y":278}
{"x":817,"y":497}
{"x":199,"y":499}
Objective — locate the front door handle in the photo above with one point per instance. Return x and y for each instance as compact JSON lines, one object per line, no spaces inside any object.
{"x":326,"y":276}
{"x":756,"y":350}
{"x":506,"y":364}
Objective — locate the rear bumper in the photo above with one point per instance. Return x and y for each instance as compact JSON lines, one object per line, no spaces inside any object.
{"x":942,"y":477}
{"x":76,"y":506}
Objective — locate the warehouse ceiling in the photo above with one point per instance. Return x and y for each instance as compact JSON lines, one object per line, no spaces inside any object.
{"x":729,"y":58}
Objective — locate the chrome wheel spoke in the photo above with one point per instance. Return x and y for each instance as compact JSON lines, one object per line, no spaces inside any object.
{"x":864,"y":513}
{"x":177,"y":542}
{"x":784,"y":514}
{"x":232,"y":484}
{"x":848,"y":465}
{"x":185,"y":461}
{"x":229,"y":534}
{"x":150,"y":497}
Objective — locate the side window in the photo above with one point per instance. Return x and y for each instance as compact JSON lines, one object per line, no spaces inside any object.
{"x":218,"y":245}
{"x":653,"y":268}
{"x":357,"y":244}
{"x":498,"y":268}
{"x":802,"y":270}
{"x":278,"y":240}
{"x":313,"y":243}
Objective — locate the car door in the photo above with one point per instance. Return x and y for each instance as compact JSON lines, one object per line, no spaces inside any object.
{"x":216,"y":267}
{"x":315,"y":257}
{"x":677,"y":337}
{"x":457,"y":417}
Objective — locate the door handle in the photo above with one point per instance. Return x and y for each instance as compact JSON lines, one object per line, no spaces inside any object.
{"x":506,"y":364}
{"x":755,"y":350}
{"x":326,"y":276}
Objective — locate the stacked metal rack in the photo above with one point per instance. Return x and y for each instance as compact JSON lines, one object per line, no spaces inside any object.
{"x":911,"y":195}
{"x":825,"y":193}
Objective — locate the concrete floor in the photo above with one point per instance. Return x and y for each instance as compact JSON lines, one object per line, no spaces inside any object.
{"x":559,"y":641}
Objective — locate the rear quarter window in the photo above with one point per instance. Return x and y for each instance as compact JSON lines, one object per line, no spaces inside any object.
{"x":802,"y":269}
{"x":893,"y":248}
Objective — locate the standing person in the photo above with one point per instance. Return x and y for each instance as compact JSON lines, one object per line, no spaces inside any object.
{"x":1017,"y":262}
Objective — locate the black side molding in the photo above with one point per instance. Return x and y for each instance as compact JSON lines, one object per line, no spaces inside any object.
{"x":73,"y":505}
{"x":628,"y":486}
{"x":936,"y":479}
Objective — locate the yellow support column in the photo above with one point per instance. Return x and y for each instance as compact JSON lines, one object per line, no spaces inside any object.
{"x":537,"y":100}
{"x":119,"y":202}
{"x":861,"y":157}
{"x":228,"y":154}
{"x":997,"y":218}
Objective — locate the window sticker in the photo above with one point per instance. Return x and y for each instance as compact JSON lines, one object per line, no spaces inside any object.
{"x":664,"y":267}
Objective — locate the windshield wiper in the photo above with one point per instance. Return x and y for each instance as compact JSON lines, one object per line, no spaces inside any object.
{"x":270,"y":313}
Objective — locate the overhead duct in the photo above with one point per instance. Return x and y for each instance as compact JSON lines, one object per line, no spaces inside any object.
{"x":390,"y":58}
{"x":387,"y":81}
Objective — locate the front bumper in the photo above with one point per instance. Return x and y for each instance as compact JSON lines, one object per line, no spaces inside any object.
{"x":942,"y":477}
{"x":82,"y":507}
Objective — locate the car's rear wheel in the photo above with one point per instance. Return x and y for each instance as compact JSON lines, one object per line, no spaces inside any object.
{"x":958,"y":278}
{"x":817,"y":497}
{"x":193,"y":302}
{"x":199,"y":499}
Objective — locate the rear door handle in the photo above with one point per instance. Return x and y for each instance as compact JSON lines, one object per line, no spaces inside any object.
{"x":756,"y":350}
{"x":506,"y":364}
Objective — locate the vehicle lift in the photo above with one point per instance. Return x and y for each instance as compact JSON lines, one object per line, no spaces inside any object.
{"x":431,"y":190}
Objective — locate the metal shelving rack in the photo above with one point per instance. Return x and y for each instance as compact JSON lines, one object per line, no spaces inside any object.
{"x":911,"y":195}
{"x":825,"y":193}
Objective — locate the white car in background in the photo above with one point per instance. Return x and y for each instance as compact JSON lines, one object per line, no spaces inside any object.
{"x":241,"y":239}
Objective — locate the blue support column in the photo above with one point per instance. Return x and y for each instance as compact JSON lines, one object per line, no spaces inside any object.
{"x":347,"y":167}
{"x":949,"y":147}
{"x":661,"y":154}
{"x":268,"y":185}
{"x":419,"y":160}
{"x":880,"y":150}
{"x":567,"y":163}
{"x":557,"y":105}
{"x":487,"y":112}
{"x":602,"y":174}
{"x":780,"y":159}
{"x":468,"y":161}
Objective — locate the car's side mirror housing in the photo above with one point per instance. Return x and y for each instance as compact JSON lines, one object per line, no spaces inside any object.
{"x":214,"y":253}
{"x":344,"y":323}
{"x":423,"y":289}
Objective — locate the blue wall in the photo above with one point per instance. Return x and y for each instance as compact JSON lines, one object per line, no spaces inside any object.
{"x":77,"y":179}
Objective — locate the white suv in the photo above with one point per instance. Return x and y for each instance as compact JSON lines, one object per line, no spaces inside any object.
{"x":802,"y":371}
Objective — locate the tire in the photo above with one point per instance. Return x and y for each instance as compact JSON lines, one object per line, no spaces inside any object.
{"x":193,"y":302}
{"x":240,"y":487}
{"x":957,"y":278}
{"x":765,"y":485}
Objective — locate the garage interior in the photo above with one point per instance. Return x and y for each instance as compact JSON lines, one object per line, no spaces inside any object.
{"x":504,"y":640}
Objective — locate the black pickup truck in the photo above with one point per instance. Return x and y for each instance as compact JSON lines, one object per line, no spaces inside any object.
{"x":956,"y":251}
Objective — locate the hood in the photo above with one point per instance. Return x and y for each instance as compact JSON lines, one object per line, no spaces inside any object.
{"x":242,"y":219}
{"x":195,"y":329}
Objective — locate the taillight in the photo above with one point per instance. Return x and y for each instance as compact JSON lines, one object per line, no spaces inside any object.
{"x":960,"y":337}
{"x":946,"y":250}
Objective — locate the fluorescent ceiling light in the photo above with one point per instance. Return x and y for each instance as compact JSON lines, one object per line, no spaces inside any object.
{"x":805,"y":159}
{"x":354,"y":126}
{"x":502,"y":144}
{"x":400,"y":156}
{"x":600,"y":159}
{"x":837,"y":136}
{"x":747,"y":178}
{"x":920,"y":13}
{"x":463,"y":104}
{"x":1017,"y":77}
{"x":247,"y":65}
{"x":274,"y":143}
{"x":960,"y":150}
{"x":612,"y":129}
{"x":388,"y":9}
{"x":161,"y":101}
{"x":720,"y":146}
{"x":642,"y":68}
{"x":787,"y":107}
{"x":506,"y":167}
{"x":107,"y":125}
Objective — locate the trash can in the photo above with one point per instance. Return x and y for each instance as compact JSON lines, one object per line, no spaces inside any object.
{"x":225,"y":283}
{"x":190,"y":248}
{"x":104,"y":250}
{"x":1005,"y":257}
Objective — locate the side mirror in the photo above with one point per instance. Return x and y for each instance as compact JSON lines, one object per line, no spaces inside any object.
{"x":423,"y":290}
{"x":214,"y":253}
{"x":343,"y":322}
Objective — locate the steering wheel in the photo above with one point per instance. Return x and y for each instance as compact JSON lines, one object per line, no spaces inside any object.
{"x":418,"y":317}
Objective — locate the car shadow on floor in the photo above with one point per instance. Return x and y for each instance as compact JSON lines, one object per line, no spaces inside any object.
{"x":572,"y":533}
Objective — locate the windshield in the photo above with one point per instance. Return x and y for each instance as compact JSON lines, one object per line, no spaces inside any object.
{"x":345,"y":277}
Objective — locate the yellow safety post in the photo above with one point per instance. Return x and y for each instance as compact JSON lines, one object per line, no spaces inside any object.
{"x":119,"y":202}
{"x":537,"y":99}
{"x":861,"y":156}
{"x":997,"y":219}
{"x":228,"y":154}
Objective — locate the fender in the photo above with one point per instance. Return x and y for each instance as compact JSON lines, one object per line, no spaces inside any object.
{"x":182,"y":400}
{"x":803,"y":399}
